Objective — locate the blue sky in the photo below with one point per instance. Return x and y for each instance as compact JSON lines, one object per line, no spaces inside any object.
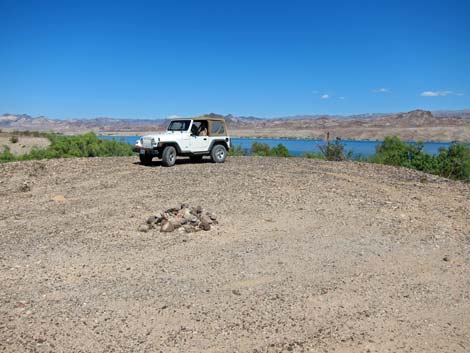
{"x":154,"y":59}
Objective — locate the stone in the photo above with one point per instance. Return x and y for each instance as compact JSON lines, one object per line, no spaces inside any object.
{"x":167,"y":227}
{"x":446,"y":258}
{"x":25,"y":187}
{"x":59,"y":198}
{"x":151,"y":220}
{"x":205,"y":226}
{"x":212,"y":216}
{"x":199,"y":209}
{"x":143,"y":228}
{"x":186,"y":213}
{"x":206,"y":219}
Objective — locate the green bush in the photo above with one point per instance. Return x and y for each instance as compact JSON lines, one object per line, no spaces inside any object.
{"x":14,"y":139}
{"x":87,"y":145}
{"x":236,"y":151}
{"x":334,"y":151}
{"x":313,"y":155}
{"x":6,"y":155}
{"x":263,"y":150}
{"x":452,"y":162}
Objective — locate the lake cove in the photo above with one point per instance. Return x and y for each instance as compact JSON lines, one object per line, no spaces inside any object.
{"x":301,"y":146}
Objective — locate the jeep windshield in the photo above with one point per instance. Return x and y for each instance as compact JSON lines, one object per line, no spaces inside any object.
{"x":179,"y":125}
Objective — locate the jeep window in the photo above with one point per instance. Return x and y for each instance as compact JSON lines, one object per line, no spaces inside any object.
{"x":179,"y":125}
{"x":217,"y":128}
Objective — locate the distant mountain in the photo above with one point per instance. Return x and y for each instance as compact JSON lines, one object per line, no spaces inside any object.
{"x":26,"y":122}
{"x":315,"y":125}
{"x":465,"y":113}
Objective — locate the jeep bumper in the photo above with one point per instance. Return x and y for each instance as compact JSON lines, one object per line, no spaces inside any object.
{"x":145,"y":150}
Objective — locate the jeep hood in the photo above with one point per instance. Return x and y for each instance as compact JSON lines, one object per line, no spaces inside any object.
{"x":166,"y":136}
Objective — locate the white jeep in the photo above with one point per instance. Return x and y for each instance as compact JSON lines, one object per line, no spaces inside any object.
{"x":193,"y":138}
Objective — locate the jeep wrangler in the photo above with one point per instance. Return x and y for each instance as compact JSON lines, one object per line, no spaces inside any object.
{"x":194,"y":138}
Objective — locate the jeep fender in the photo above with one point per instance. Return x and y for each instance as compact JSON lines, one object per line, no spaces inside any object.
{"x":174,"y":144}
{"x":222,"y":142}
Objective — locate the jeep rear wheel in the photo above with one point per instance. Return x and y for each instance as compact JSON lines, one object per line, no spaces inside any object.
{"x":145,"y":159}
{"x":218,"y":154}
{"x":169,"y":156}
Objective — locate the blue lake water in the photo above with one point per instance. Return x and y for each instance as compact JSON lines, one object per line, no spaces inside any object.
{"x":299,"y":147}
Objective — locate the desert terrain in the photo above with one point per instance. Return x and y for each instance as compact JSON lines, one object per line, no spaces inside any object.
{"x":416,"y":125}
{"x":308,"y":256}
{"x":24,"y":145}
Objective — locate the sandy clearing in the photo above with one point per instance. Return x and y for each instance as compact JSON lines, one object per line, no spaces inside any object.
{"x":309,"y":256}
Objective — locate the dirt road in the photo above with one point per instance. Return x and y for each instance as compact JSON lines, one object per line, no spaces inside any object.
{"x":309,"y":256}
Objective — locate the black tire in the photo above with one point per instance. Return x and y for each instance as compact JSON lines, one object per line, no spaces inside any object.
{"x":195,"y":159}
{"x":145,"y":159}
{"x":169,"y":156}
{"x":218,"y":154}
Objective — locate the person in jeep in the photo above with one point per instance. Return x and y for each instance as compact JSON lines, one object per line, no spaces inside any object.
{"x":203,"y":129}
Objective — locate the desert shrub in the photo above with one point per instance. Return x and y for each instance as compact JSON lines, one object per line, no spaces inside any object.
{"x":393,"y":151}
{"x":452,"y":162}
{"x":334,"y":151}
{"x":6,"y":155}
{"x":263,"y":150}
{"x":313,"y":155}
{"x":87,"y":145}
{"x":236,"y":151}
{"x":14,"y":139}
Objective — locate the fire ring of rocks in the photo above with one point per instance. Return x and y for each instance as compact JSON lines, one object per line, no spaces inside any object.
{"x":190,"y":219}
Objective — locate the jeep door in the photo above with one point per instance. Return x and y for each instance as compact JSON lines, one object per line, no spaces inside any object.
{"x":200,"y":143}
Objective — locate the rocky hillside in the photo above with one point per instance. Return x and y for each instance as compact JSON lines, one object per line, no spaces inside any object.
{"x":417,"y":124}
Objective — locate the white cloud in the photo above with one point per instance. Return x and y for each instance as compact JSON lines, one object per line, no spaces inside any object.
{"x":436,"y":93}
{"x":382,"y":90}
{"x":325,"y":96}
{"x":341,"y":97}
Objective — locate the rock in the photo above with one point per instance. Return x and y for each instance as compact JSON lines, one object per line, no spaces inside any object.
{"x":188,"y":229}
{"x":143,"y":228}
{"x":186,"y":213}
{"x":59,"y":198}
{"x":212,"y":216}
{"x":236,"y":292}
{"x":167,"y":227}
{"x":172,"y":210}
{"x":185,"y":218}
{"x":25,"y":187}
{"x":446,"y":258}
{"x":151,"y":220}
{"x":206,"y":219}
{"x":205,"y":226}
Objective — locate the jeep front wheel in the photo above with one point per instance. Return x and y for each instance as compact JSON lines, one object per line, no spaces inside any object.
{"x":169,"y":156}
{"x":145,"y":159}
{"x":218,"y":154}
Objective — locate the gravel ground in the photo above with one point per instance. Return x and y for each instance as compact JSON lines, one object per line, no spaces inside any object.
{"x":308,"y":256}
